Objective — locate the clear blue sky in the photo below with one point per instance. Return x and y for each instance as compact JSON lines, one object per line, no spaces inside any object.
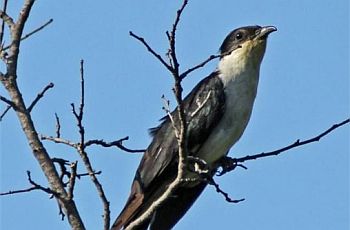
{"x":303,"y":90}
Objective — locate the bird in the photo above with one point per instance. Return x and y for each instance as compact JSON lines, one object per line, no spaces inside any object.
{"x":217,"y":111}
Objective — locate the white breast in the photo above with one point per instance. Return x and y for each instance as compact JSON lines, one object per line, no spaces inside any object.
{"x":240,"y":82}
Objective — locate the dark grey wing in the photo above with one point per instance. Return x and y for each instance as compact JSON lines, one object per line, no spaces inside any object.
{"x":204,"y":108}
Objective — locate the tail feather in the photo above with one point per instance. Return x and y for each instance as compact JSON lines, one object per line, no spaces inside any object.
{"x":131,"y":208}
{"x":165,"y":216}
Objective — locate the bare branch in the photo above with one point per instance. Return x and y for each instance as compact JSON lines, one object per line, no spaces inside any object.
{"x":79,"y":175}
{"x":200,"y":65}
{"x":182,"y":142}
{"x":231,"y":163}
{"x":155,"y":54}
{"x":219,"y":190}
{"x":295,"y":144}
{"x":35,"y":186}
{"x":58,"y":140}
{"x":83,"y":155}
{"x":4,"y":8}
{"x":11,"y":192}
{"x":16,"y":34}
{"x":5,"y":111}
{"x":64,"y":172}
{"x":167,"y":110}
{"x":31,"y":33}
{"x":117,"y":143}
{"x":100,"y":191}
{"x":82,"y":88}
{"x":58,"y":126}
{"x":39,"y":96}
{"x":7,"y":101}
{"x":72,"y":178}
{"x":6,"y":19}
{"x":171,"y":38}
{"x":38,"y":150}
{"x":47,"y":190}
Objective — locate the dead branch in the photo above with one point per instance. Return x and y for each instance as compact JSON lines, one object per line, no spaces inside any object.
{"x":200,"y":65}
{"x":58,"y":126}
{"x":117,"y":143}
{"x":35,"y":186}
{"x":64,"y":172}
{"x":31,"y":106}
{"x":212,"y":182}
{"x":39,"y":96}
{"x":230,"y":164}
{"x":73,"y":176}
{"x":7,"y":101}
{"x":69,"y":174}
{"x":31,"y":33}
{"x":5,"y":111}
{"x":4,"y":8}
{"x":167,"y":110}
{"x":80,"y":175}
{"x":9,"y":80}
{"x":11,"y":192}
{"x":79,"y":115}
{"x":155,"y":54}
{"x":6,"y":19}
{"x":182,"y":142}
{"x":58,"y":140}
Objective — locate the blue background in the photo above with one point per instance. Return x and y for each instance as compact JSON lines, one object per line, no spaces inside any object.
{"x":303,"y":90}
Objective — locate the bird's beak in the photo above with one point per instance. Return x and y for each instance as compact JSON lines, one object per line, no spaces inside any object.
{"x":265,"y":31}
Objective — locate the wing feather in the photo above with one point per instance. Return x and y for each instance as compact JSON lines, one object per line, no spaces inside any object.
{"x":204,"y":107}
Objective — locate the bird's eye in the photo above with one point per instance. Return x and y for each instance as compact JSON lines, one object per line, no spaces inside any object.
{"x":239,"y":36}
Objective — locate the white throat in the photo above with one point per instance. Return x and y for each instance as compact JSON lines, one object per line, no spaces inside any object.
{"x":244,"y":61}
{"x":239,"y":72}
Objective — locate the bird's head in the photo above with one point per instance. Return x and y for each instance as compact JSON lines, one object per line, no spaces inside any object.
{"x":244,"y":46}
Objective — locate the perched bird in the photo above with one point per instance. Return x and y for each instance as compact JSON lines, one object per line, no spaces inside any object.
{"x":217,"y":111}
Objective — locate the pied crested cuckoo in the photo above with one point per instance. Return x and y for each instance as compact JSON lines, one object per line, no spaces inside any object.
{"x":217,"y":111}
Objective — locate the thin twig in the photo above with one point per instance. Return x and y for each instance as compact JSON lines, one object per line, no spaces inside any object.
{"x":11,"y":192}
{"x":200,"y":65}
{"x":58,"y":140}
{"x":79,"y":175}
{"x":35,"y":186}
{"x":117,"y":143}
{"x":7,"y":101}
{"x":38,"y":150}
{"x":182,"y":142}
{"x":16,"y":33}
{"x":172,"y":38}
{"x":64,"y":172}
{"x":83,"y":155}
{"x":166,"y":108}
{"x":6,"y":18}
{"x":219,"y":190}
{"x":155,"y":54}
{"x":39,"y":96}
{"x":4,"y":8}
{"x":72,"y":178}
{"x":297,"y":143}
{"x":82,"y":88}
{"x":206,"y":61}
{"x":231,"y":163}
{"x":32,"y":32}
{"x":31,"y":106}
{"x":58,"y":126}
{"x":5,"y":111}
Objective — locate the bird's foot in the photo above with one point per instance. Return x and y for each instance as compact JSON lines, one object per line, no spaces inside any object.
{"x":198,"y":165}
{"x":227,"y":164}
